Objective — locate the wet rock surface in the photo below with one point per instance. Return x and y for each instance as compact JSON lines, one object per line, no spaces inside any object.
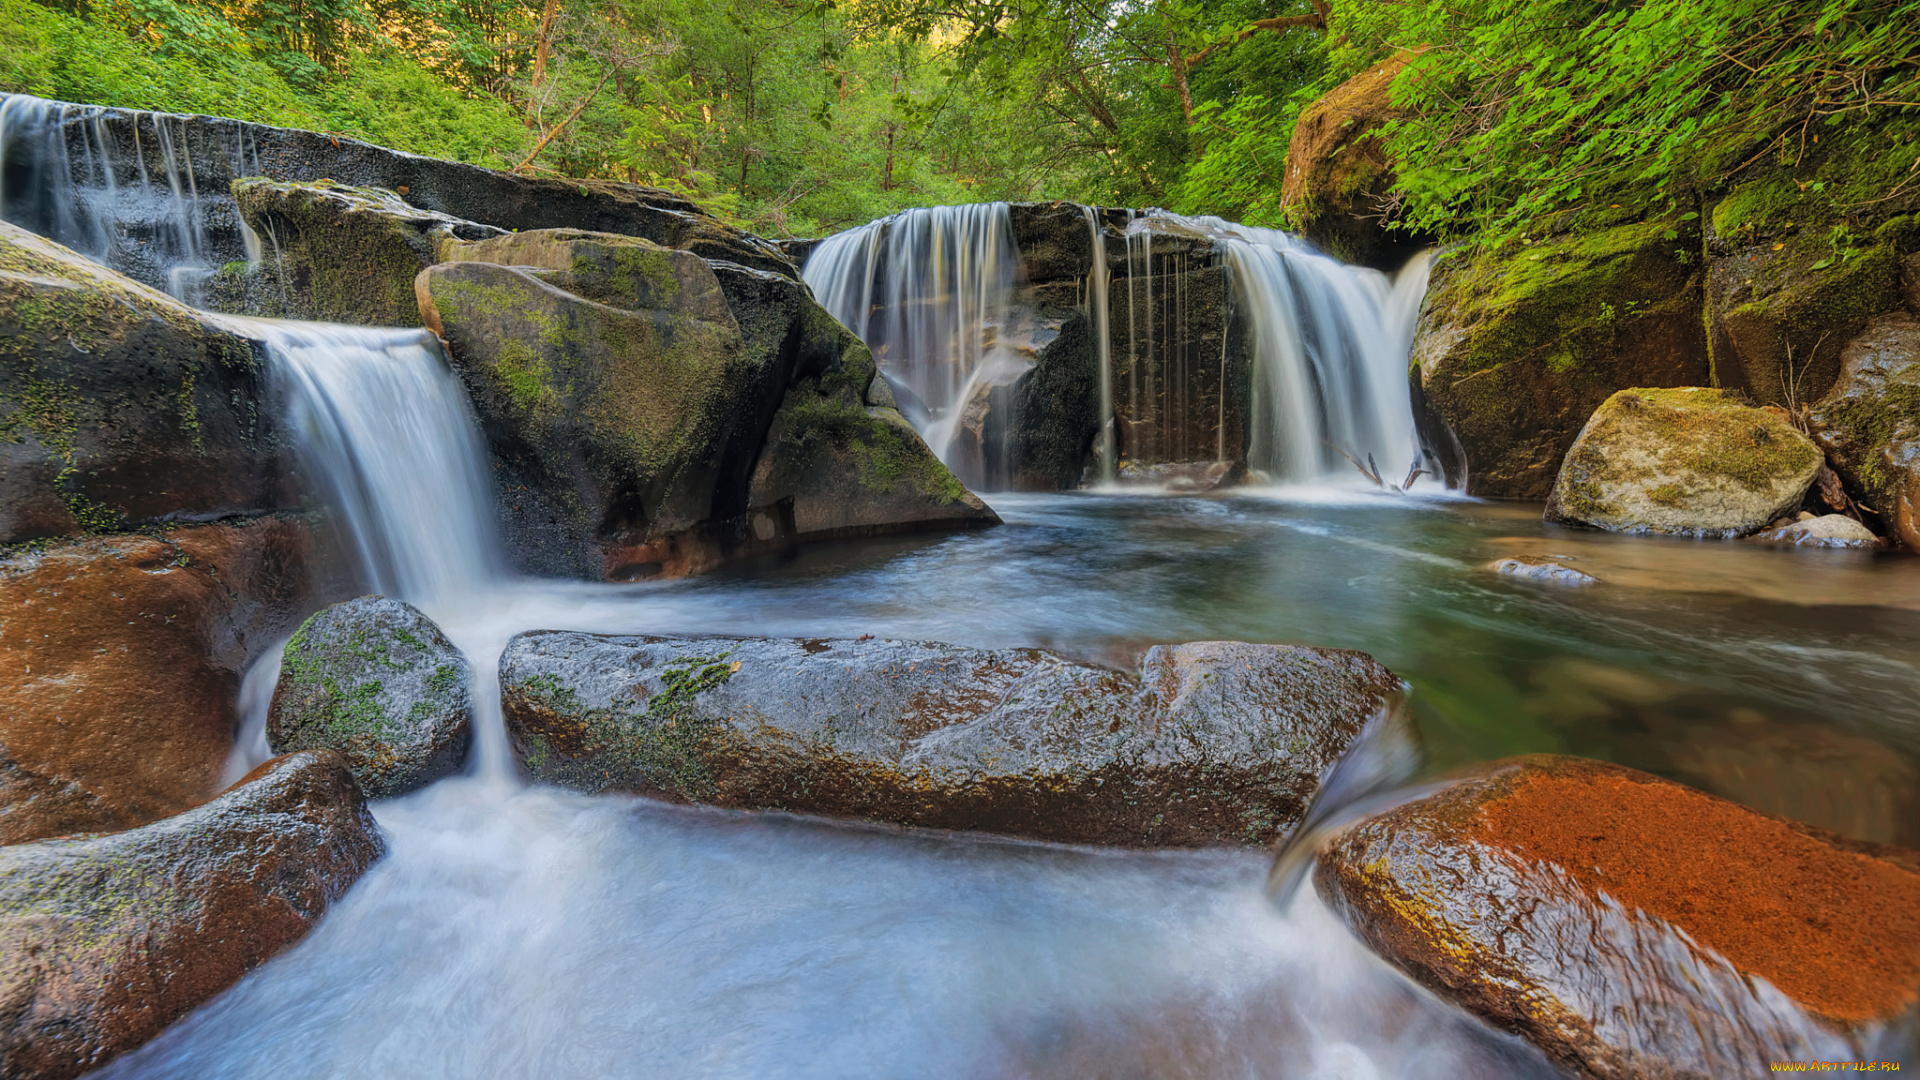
{"x":1517,"y":348}
{"x":1621,"y":922}
{"x":120,"y":405}
{"x":1214,"y":742}
{"x":105,"y":940}
{"x":1874,"y":404}
{"x":125,"y":656}
{"x":1689,"y":461}
{"x":377,"y":681}
{"x":1541,"y":569}
{"x":1825,"y":531}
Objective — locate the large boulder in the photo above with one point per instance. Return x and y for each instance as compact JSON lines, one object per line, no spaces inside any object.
{"x":376,"y":680}
{"x":1630,"y":926}
{"x":124,"y":657}
{"x":1689,"y":461}
{"x":105,"y":940}
{"x":336,"y":253}
{"x":1338,"y":190}
{"x":1517,"y":347}
{"x":120,"y":405}
{"x":1900,"y":460}
{"x":1874,"y":402}
{"x":1214,"y":742}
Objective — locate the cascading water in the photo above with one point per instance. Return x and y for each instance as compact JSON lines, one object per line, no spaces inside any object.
{"x":927,"y":290}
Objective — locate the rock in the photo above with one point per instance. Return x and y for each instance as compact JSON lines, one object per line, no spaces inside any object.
{"x":1689,"y":461}
{"x":1338,"y":190}
{"x":105,"y":940}
{"x":120,"y":405}
{"x":1516,"y":348}
{"x":1623,"y":923}
{"x":1875,"y":400}
{"x":1780,"y":312}
{"x":1178,"y":349}
{"x":123,"y":658}
{"x":1215,"y":742}
{"x":620,"y":417}
{"x":620,"y":271}
{"x":376,"y":680}
{"x":336,"y":253}
{"x":1182,"y":478}
{"x":1542,"y":569}
{"x":1826,"y":531}
{"x":1901,"y":461}
{"x":1054,"y":242}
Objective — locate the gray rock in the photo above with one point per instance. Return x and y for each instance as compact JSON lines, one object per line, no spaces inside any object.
{"x":107,"y":939}
{"x":1214,"y":743}
{"x":1542,"y":569}
{"x":376,"y":680}
{"x":1688,"y":461}
{"x":1827,"y":531}
{"x":1875,"y":401}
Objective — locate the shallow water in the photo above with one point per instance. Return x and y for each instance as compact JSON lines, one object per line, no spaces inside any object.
{"x":517,"y":932}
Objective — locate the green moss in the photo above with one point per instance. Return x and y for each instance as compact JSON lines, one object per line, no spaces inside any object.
{"x":661,"y":742}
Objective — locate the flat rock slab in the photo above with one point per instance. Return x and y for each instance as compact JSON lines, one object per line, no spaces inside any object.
{"x":1689,"y":461}
{"x":1541,"y":569}
{"x":1214,"y":742}
{"x":1631,"y":926}
{"x":107,"y":939}
{"x":1825,"y":531}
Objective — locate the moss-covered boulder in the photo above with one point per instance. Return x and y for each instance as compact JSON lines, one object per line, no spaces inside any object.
{"x":1901,"y":461}
{"x":1633,"y":927}
{"x":1874,"y":401}
{"x":621,"y":419}
{"x":123,"y":658}
{"x":376,"y":680}
{"x":120,"y":405}
{"x":1689,"y":461}
{"x":619,"y":271}
{"x":1338,"y":190}
{"x":1213,"y":743}
{"x":105,"y":940}
{"x":335,"y":253}
{"x":1517,"y":347}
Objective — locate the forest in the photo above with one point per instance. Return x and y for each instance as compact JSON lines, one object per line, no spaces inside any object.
{"x":798,"y":117}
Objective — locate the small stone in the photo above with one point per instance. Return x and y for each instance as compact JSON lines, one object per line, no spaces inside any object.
{"x":376,"y":680}
{"x":1541,"y":568}
{"x":1827,"y":531}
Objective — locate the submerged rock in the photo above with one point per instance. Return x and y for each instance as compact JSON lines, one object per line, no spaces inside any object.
{"x":123,"y":658}
{"x":105,"y":940}
{"x":1214,"y":743}
{"x":1689,"y":461}
{"x":376,"y":680}
{"x":1874,"y":403}
{"x":338,"y":253}
{"x":1339,"y":178}
{"x":120,"y":405}
{"x":1624,"y":923}
{"x":1516,"y":348}
{"x":1541,"y":568}
{"x":1825,"y":531}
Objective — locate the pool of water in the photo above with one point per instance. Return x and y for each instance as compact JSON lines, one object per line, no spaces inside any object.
{"x":519,"y":932}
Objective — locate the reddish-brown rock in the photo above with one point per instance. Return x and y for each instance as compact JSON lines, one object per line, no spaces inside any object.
{"x":121,"y":660}
{"x":105,"y":940}
{"x":1338,"y":188}
{"x":1622,"y":922}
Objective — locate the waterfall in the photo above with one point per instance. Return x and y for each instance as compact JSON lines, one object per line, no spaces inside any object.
{"x":1105,"y":456}
{"x":927,"y":290}
{"x":118,"y":187}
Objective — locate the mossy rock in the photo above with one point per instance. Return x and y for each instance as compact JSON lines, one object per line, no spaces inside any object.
{"x":1875,"y":401}
{"x":1339,"y":176}
{"x":338,"y":253}
{"x":620,"y":271}
{"x":121,"y":406}
{"x":376,"y":680}
{"x":1518,"y":346}
{"x":1690,"y":461}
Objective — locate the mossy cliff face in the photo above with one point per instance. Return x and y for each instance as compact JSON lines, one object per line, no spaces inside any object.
{"x":1517,"y":348}
{"x":1339,"y":177}
{"x":124,"y":657}
{"x":105,"y":940}
{"x":1874,"y":403}
{"x":376,"y":680}
{"x":336,"y":253}
{"x":619,"y":416}
{"x":1690,"y":461}
{"x":121,"y":406}
{"x":1620,"y":921}
{"x":1214,"y":743}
